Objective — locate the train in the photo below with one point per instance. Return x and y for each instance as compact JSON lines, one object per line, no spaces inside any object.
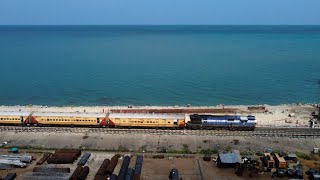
{"x":129,"y":120}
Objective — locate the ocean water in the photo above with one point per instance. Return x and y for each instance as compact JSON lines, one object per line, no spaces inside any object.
{"x":159,"y":65}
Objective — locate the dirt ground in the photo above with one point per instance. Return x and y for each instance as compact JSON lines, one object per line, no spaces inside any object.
{"x":153,"y":169}
{"x":153,"y":143}
{"x":190,"y":168}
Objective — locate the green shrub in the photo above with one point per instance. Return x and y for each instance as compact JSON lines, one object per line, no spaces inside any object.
{"x":303,"y":155}
{"x":185,"y":149}
{"x":208,"y":151}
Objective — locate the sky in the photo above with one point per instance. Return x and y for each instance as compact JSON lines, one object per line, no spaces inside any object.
{"x":159,"y":12}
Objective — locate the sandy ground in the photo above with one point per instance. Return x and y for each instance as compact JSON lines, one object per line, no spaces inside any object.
{"x":274,"y":115}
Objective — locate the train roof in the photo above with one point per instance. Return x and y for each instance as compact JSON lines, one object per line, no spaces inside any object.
{"x":69,"y":114}
{"x":15,"y":113}
{"x":220,"y":115}
{"x":243,"y":118}
{"x":147,"y":115}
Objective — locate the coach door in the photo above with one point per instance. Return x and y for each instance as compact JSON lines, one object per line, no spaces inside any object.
{"x":21,"y":119}
{"x":98,"y":121}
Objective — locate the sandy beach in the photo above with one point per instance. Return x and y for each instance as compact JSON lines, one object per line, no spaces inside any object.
{"x":280,"y":115}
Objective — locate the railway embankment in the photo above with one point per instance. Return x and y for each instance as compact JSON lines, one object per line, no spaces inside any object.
{"x":155,"y":143}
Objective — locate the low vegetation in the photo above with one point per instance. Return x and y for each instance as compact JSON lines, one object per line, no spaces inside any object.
{"x":122,"y":149}
{"x":311,"y":156}
{"x":208,"y":151}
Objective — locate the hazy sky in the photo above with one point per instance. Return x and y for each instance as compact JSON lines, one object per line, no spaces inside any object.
{"x":253,"y":12}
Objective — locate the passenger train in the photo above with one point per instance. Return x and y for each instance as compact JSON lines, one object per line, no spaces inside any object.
{"x":129,"y":120}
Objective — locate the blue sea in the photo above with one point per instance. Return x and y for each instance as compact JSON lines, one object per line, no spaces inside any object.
{"x":159,"y":65}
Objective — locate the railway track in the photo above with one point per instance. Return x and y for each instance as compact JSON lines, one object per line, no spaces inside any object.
{"x":259,"y":132}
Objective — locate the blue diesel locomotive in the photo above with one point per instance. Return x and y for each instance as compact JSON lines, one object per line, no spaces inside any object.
{"x":231,"y":122}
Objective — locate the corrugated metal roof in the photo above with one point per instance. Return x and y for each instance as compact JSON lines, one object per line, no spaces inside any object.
{"x":292,"y":155}
{"x":230,"y":158}
{"x":150,"y":115}
{"x":69,"y":114}
{"x":15,"y":113}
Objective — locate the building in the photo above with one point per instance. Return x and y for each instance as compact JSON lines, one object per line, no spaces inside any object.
{"x":268,"y":160}
{"x":232,"y":159}
{"x":280,"y":161}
